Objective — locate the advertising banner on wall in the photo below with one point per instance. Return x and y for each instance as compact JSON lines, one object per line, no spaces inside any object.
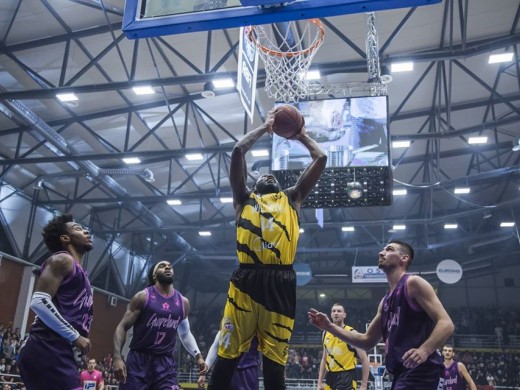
{"x":370,"y":274}
{"x":303,"y":273}
{"x":449,"y":271}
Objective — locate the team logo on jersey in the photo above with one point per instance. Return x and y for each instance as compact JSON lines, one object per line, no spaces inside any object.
{"x":227,"y":324}
{"x":166,"y":306}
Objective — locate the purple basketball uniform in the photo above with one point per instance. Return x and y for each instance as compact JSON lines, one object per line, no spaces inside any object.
{"x":406,"y":326}
{"x":47,"y":359}
{"x":452,"y":378}
{"x":245,"y":376}
{"x":150,"y":363}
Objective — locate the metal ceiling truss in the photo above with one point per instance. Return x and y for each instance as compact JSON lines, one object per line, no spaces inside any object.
{"x":120,"y":216}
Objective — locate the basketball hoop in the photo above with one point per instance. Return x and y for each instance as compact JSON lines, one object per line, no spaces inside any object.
{"x":287,"y":54}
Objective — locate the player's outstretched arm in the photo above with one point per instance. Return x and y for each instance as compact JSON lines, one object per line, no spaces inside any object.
{"x":364,"y":341}
{"x":237,"y":168}
{"x":188,"y":340}
{"x":321,"y":373}
{"x":57,"y":268}
{"x":421,"y":292}
{"x":210,"y":359}
{"x":465,"y":374}
{"x":365,"y":368}
{"x":129,"y":319}
{"x":312,"y":173}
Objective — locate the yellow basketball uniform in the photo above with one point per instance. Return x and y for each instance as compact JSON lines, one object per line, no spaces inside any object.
{"x":340,"y":360}
{"x":262,"y":292}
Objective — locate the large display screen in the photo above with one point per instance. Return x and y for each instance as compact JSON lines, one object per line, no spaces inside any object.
{"x":353,"y":132}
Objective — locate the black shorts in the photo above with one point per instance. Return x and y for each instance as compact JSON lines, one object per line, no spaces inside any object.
{"x":340,"y":380}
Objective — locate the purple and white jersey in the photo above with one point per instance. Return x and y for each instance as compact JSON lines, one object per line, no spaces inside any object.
{"x":452,"y":378}
{"x":73,"y":300}
{"x":155,"y":331}
{"x":405,"y":326}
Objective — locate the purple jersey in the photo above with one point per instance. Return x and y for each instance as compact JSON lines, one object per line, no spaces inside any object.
{"x":452,"y":378}
{"x":155,"y":331}
{"x":405,"y":326}
{"x":73,"y":300}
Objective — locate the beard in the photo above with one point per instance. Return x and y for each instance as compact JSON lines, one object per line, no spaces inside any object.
{"x":164,"y":279}
{"x":267,"y":188}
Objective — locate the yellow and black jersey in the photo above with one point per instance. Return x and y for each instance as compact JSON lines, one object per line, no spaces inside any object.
{"x":267,"y":230}
{"x":340,"y":356}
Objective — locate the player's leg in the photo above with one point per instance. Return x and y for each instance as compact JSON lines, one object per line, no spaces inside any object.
{"x":237,"y":328}
{"x":138,"y":375}
{"x":48,"y":359}
{"x":164,"y":371}
{"x":274,"y":378}
{"x":275,"y":325}
{"x":245,"y":379}
{"x":426,"y":377}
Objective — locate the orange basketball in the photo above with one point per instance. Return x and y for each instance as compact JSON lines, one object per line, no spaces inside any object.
{"x":288,"y":121}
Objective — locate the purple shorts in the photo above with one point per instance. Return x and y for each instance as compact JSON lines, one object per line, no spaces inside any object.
{"x":424,"y":377}
{"x":245,"y":378}
{"x":47,"y":363}
{"x":150,"y":372}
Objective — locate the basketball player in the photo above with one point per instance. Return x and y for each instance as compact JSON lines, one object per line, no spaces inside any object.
{"x":456,"y":376}
{"x":245,"y":376}
{"x":62,"y":301}
{"x":262,"y":292}
{"x":92,"y":379}
{"x":410,"y":319}
{"x":339,"y":358}
{"x":157,"y":314}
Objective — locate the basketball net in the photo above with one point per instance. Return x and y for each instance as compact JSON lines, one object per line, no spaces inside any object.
{"x":287,"y":53}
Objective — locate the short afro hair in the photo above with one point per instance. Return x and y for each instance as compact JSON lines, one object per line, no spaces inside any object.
{"x":54,"y":229}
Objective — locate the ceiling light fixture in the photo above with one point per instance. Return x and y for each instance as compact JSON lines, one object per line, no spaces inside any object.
{"x":450,"y":226}
{"x":174,"y":202}
{"x":208,"y":91}
{"x":399,"y":227}
{"x":143,"y":90}
{"x":226,"y":199}
{"x":312,"y":75}
{"x":401,"y":67}
{"x":223,"y":83}
{"x":204,"y":233}
{"x":498,"y":58}
{"x":348,"y":229}
{"x":477,"y":140}
{"x":399,"y":192}
{"x":354,"y":189}
{"x":386,"y":76}
{"x":194,"y":156}
{"x":400,"y":144}
{"x":507,"y":224}
{"x":260,"y":153}
{"x":462,"y":190}
{"x":67,"y":97}
{"x":516,"y":148}
{"x":132,"y":160}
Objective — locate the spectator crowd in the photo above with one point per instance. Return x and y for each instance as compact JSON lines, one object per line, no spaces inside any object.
{"x":496,"y":367}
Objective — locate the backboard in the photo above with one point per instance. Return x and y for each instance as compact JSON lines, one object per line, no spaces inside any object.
{"x":149,"y":18}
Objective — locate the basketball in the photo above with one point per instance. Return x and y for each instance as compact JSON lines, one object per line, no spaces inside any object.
{"x":288,"y":121}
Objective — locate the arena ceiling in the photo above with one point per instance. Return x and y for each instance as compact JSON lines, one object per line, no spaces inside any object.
{"x":68,"y":156}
